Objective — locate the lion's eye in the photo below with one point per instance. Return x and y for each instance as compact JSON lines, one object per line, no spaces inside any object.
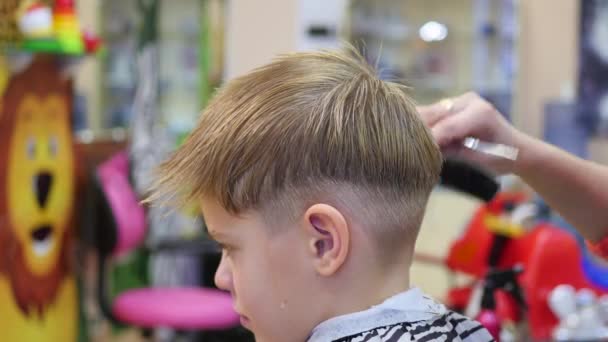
{"x":31,"y":148}
{"x":53,"y":146}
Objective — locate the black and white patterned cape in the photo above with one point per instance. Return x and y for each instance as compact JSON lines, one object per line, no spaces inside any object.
{"x":409,"y":316}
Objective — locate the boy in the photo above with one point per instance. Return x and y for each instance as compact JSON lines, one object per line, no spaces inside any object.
{"x":313,"y":175}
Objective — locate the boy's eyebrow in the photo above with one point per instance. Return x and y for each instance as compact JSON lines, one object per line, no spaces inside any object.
{"x":221,"y":239}
{"x":215,"y":235}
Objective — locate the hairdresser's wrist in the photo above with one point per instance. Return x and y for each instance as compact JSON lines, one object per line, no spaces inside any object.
{"x":529,"y":159}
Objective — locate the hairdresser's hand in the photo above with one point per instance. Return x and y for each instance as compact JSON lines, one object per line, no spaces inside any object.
{"x":452,"y":120}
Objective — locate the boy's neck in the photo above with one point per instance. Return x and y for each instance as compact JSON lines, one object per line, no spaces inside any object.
{"x":360,"y":290}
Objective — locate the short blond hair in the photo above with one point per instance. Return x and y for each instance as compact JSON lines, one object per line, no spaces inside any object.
{"x":311,"y":126}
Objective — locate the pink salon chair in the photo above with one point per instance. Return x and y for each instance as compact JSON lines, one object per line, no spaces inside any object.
{"x":119,"y":227}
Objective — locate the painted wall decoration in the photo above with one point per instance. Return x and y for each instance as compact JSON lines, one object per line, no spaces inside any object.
{"x":38,"y":292}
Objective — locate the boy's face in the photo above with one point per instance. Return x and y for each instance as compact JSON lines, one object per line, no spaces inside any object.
{"x":270,"y":275}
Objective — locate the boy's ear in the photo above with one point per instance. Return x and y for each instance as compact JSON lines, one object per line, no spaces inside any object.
{"x":328,"y":237}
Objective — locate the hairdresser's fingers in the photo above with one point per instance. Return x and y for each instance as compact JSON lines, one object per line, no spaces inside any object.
{"x":431,"y":114}
{"x":455,"y":128}
{"x":478,"y":119}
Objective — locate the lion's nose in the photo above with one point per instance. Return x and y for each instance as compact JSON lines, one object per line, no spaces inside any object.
{"x":43,"y":182}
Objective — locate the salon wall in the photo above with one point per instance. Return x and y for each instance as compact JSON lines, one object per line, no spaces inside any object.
{"x":548,"y":51}
{"x":548,"y":67}
{"x":256,"y":31}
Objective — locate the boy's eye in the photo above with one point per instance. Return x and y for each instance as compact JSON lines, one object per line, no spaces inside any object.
{"x":225,"y":249}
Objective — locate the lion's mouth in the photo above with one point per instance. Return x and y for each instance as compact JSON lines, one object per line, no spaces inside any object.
{"x":42,"y":238}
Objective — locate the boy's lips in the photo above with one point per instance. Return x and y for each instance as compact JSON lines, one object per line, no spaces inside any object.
{"x":244,"y":321}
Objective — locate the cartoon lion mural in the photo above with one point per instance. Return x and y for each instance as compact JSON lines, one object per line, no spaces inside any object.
{"x":37,"y":191}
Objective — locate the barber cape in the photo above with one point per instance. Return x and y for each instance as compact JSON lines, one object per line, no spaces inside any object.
{"x":408,"y":316}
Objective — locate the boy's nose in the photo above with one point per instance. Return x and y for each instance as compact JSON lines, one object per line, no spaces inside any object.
{"x":223,"y":276}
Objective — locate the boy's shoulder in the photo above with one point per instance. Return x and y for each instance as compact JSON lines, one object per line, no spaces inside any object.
{"x":450,"y":326}
{"x":408,"y":316}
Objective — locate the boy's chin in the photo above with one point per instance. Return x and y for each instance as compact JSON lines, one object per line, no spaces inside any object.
{"x":281,"y":338}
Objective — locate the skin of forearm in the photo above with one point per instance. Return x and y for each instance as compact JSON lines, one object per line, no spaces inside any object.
{"x":575,"y":188}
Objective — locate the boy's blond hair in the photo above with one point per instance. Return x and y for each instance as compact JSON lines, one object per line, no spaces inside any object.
{"x":310,"y":127}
